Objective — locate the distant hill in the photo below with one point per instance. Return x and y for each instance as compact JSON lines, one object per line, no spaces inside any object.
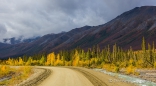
{"x":125,"y":30}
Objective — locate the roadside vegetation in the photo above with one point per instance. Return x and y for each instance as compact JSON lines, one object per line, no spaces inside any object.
{"x":11,"y":75}
{"x":112,"y":59}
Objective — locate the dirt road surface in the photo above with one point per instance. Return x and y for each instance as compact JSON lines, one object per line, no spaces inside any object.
{"x":76,"y":76}
{"x":65,"y":77}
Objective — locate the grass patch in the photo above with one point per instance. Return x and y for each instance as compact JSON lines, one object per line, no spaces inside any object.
{"x":14,"y":75}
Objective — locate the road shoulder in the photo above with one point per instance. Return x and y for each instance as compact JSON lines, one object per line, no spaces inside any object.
{"x":101,"y":79}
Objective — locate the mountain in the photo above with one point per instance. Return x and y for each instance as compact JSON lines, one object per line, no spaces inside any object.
{"x":125,"y":30}
{"x":43,"y":44}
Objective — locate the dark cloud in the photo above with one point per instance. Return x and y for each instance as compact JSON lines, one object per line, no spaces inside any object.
{"x":28,"y":18}
{"x":3,"y":31}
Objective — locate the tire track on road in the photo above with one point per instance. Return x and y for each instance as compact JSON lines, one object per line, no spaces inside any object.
{"x":95,"y":80}
{"x":36,"y":81}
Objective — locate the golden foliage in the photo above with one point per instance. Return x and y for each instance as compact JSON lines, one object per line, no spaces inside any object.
{"x":154,"y":64}
{"x":76,"y":59}
{"x":18,"y":74}
{"x":4,"y":70}
{"x":130,"y":69}
{"x":50,"y":59}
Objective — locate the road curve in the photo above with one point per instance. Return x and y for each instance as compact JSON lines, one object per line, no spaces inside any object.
{"x":65,"y":77}
{"x":78,"y":76}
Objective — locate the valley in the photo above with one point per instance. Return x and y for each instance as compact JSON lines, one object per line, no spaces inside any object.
{"x":86,"y":56}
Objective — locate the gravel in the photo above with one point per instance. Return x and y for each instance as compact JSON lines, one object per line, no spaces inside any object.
{"x":36,"y":78}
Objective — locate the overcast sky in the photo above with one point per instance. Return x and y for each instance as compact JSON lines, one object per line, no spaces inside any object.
{"x":29,"y":18}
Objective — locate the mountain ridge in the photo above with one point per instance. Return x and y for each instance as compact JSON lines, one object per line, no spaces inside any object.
{"x":125,"y":30}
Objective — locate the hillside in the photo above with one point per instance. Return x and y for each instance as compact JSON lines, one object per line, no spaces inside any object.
{"x":125,"y":30}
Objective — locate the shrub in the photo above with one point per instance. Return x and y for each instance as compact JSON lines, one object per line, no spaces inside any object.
{"x":130,"y":69}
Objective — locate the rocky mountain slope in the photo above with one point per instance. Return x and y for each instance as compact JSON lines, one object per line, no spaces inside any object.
{"x":125,"y":30}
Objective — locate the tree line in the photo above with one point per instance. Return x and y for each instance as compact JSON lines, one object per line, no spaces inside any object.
{"x":110,"y":59}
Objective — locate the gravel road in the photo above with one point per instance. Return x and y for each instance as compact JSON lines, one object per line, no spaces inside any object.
{"x":77,"y":76}
{"x":65,"y":77}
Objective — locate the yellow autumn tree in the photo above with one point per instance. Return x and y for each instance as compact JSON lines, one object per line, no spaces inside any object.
{"x":48,"y":62}
{"x":76,"y":59}
{"x":10,"y":61}
{"x":50,"y":59}
{"x":20,"y":62}
{"x":29,"y":61}
{"x":42,"y":60}
{"x":58,"y":61}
